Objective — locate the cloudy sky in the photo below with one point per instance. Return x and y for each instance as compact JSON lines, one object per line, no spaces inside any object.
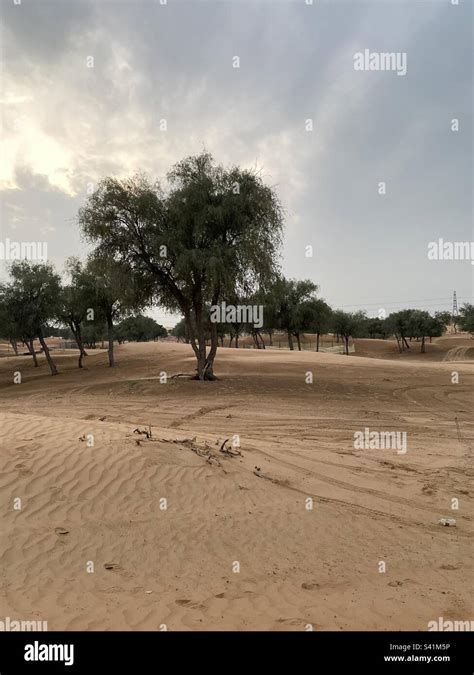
{"x":85,"y":86}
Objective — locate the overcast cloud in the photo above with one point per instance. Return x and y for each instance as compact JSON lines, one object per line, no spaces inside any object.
{"x":66,"y":125}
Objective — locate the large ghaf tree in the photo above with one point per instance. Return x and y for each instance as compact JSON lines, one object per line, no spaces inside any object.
{"x":214,"y":234}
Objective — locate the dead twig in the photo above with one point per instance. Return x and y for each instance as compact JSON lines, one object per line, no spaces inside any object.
{"x":145,"y":432}
{"x":229,"y":451}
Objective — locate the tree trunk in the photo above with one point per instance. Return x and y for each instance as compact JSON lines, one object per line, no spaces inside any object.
{"x":236,"y":340}
{"x":346,"y":338}
{"x":14,"y":345}
{"x":317,"y":342}
{"x":298,"y":341}
{"x":31,"y":347}
{"x":76,"y":331}
{"x":51,"y":364}
{"x":405,"y":341}
{"x":205,"y":363}
{"x":110,"y":338}
{"x":201,"y":344}
{"x":290,"y":341}
{"x":209,"y":365}
{"x":261,"y":339}
{"x":423,"y":344}
{"x":400,"y":349}
{"x":270,"y":337}
{"x":230,"y":341}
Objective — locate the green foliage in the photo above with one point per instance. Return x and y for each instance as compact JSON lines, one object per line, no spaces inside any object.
{"x":9,"y":329}
{"x":180,"y":331}
{"x":314,"y":316}
{"x":33,"y":297}
{"x":78,"y":296}
{"x":289,"y":298}
{"x":373,"y":328}
{"x":414,"y":323}
{"x":348,"y":324}
{"x":139,"y":328}
{"x":445,"y":318}
{"x":117,"y":292}
{"x":466,"y":318}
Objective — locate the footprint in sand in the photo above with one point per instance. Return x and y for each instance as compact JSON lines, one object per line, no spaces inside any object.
{"x":61,"y":530}
{"x":309,"y":586}
{"x":449,"y":567}
{"x":111,"y":566}
{"x":190,"y":604}
{"x":22,"y":470}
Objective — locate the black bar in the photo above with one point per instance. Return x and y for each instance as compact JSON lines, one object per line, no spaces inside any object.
{"x":316,"y":652}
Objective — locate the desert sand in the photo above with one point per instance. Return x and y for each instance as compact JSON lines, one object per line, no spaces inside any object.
{"x":176,"y":567}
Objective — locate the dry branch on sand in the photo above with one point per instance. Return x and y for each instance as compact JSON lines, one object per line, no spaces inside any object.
{"x":229,"y":451}
{"x":145,"y":432}
{"x":205,"y":452}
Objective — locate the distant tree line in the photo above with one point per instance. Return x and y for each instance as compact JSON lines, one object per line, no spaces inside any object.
{"x":90,"y":308}
{"x":291,"y":306}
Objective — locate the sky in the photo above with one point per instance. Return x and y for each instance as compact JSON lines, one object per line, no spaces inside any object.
{"x":87,"y":89}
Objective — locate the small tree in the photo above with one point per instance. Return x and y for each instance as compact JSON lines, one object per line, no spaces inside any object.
{"x":318,"y":318}
{"x":347,"y":325}
{"x":139,"y":328}
{"x":444,"y":318}
{"x":375,"y":328}
{"x":77,"y":300}
{"x":290,"y":294}
{"x":399,"y":323}
{"x":33,"y":298}
{"x":466,"y":318}
{"x":419,"y":326}
{"x":117,"y":293}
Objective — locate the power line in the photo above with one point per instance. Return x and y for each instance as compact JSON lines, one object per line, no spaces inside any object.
{"x":381,"y":303}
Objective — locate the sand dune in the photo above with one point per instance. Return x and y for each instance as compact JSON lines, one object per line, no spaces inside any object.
{"x":176,"y":566}
{"x":458,"y":347}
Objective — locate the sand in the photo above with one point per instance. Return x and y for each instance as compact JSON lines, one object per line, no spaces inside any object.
{"x":236,"y":546}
